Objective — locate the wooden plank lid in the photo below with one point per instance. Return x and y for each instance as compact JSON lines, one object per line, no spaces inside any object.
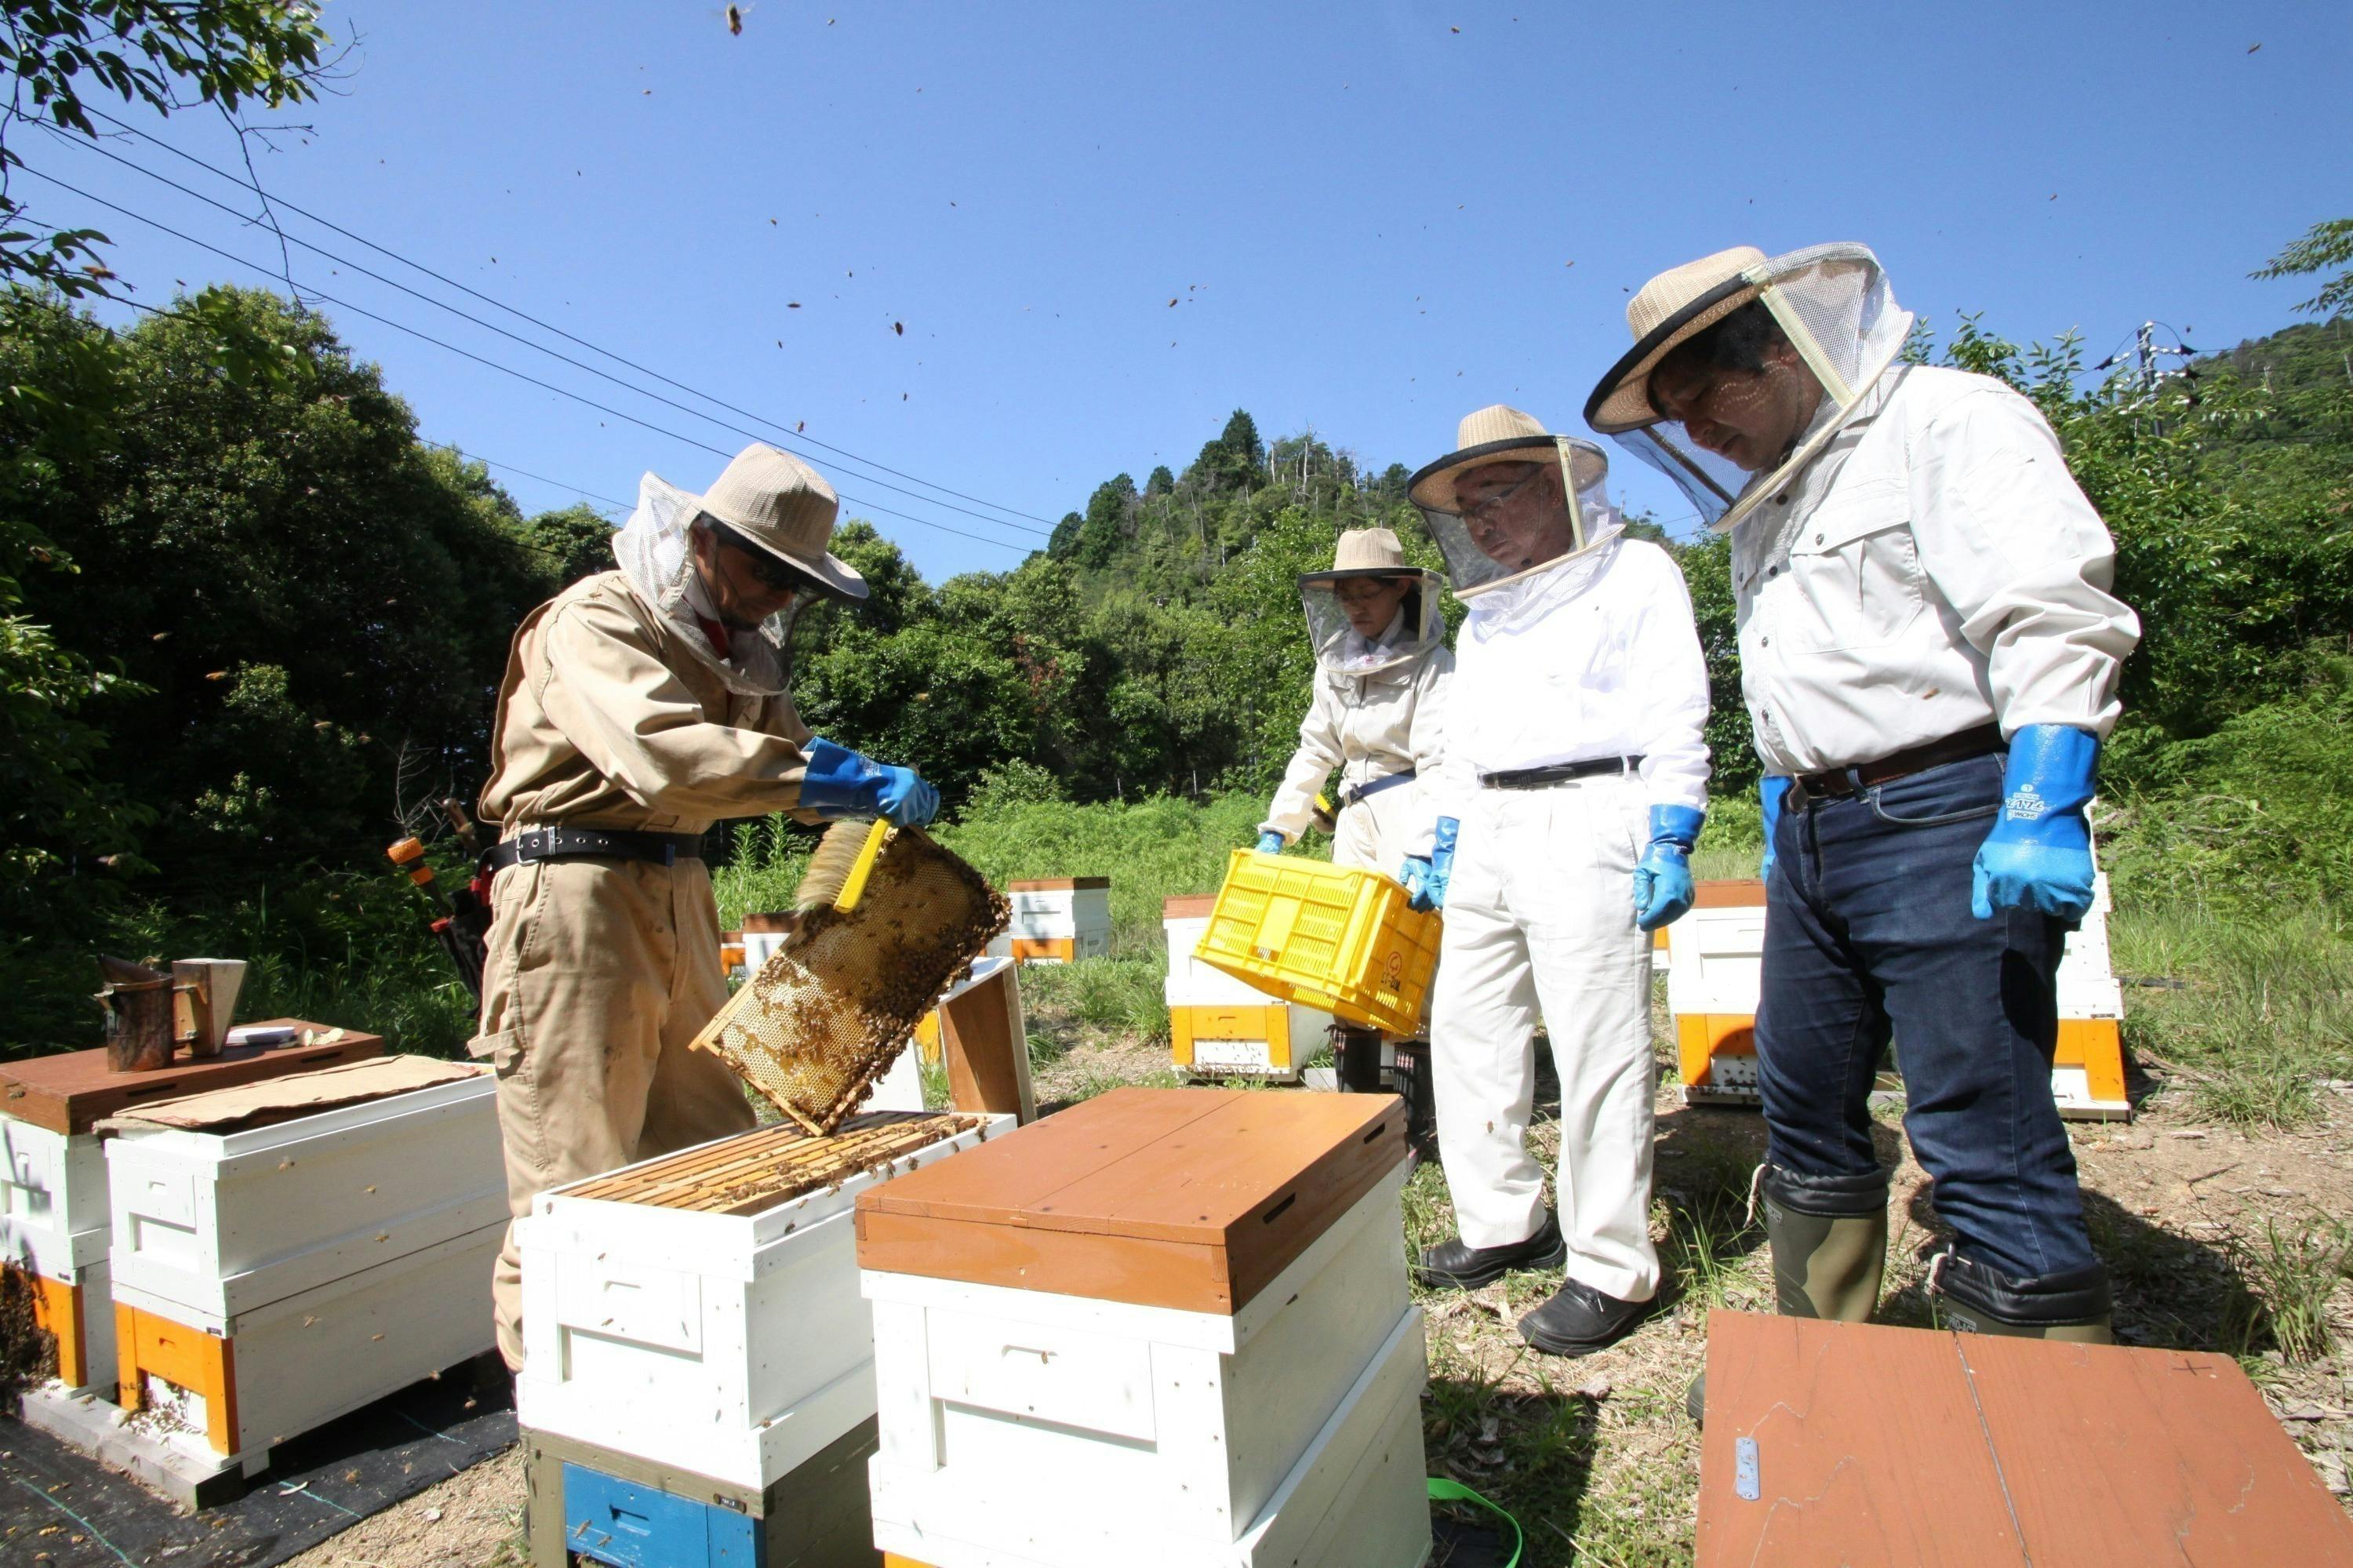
{"x":1188,"y":906}
{"x":1877,"y":1446}
{"x":1728,"y":892}
{"x":72,"y":1091}
{"x":1058,"y":885}
{"x":1187,"y":1198}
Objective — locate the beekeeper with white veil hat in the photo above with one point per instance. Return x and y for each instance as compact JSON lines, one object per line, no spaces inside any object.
{"x":1930,"y":653}
{"x":1377,"y":718}
{"x":1573,"y":790}
{"x":640,"y":706}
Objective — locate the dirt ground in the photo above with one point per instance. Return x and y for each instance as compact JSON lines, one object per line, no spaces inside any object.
{"x":1596,"y":1455}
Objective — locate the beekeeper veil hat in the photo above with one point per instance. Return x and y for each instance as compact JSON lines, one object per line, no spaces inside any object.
{"x":1368,"y":561}
{"x":771,"y":502}
{"x":1525,"y":538}
{"x":1831,"y":303}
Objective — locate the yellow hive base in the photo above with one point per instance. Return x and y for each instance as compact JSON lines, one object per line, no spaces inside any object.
{"x":57,"y":1311}
{"x":202,"y":1363}
{"x":2091,"y":1047}
{"x":1188,"y":1026}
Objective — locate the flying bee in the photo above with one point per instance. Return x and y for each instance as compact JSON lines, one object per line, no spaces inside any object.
{"x":734,"y":16}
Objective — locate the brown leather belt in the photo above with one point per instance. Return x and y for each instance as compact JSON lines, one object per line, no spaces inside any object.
{"x":1842,"y":783}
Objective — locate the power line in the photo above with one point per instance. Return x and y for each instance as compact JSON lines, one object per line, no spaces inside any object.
{"x":609,"y":505}
{"x":492,"y":364}
{"x":549,"y":326}
{"x":541,"y":348}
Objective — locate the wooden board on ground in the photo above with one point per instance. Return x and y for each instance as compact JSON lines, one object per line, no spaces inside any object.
{"x":1877,"y":1445}
{"x":72,"y":1092}
{"x":983,"y":1037}
{"x":1187,"y":1198}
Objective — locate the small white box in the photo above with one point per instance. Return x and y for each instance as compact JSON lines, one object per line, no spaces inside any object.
{"x":1716,"y":960}
{"x":1022,"y":1426}
{"x":1353,"y":1498}
{"x":733,"y":1346}
{"x":1207,"y":1007}
{"x":1057,"y":921}
{"x":53,"y":1213}
{"x":220,"y":1224}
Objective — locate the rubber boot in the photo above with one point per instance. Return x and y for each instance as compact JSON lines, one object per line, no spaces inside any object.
{"x":1977,"y":1300}
{"x":1411,"y":1077}
{"x":1829,"y":1240}
{"x":1357,"y":1061}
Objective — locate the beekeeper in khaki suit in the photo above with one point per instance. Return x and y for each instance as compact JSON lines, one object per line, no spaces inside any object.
{"x":1381,"y":670}
{"x":640,"y":706}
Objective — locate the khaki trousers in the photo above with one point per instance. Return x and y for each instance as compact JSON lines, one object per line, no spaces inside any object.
{"x":599,"y":972}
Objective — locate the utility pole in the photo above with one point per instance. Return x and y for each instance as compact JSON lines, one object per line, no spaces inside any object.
{"x":2148,"y":352}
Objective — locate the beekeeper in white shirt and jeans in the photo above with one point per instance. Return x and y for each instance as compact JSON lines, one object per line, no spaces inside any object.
{"x":1930,"y":648}
{"x":1572,"y":792}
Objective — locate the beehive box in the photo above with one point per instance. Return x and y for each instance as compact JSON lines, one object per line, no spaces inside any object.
{"x":1715,"y":972}
{"x":1058,"y":919}
{"x":1164,"y":1326}
{"x":1220,"y":1026}
{"x":269,"y":1277}
{"x":595,"y":1504}
{"x":702,"y":1311}
{"x":54,"y":1213}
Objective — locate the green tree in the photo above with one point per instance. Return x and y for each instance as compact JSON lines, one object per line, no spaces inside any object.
{"x":167,"y":55}
{"x":577,"y":541}
{"x":1162,"y":482}
{"x":1109,"y":521}
{"x":2324,"y":245}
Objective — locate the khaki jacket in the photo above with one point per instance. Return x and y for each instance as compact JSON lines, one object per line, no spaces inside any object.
{"x":1368,"y":726}
{"x":608,"y":719}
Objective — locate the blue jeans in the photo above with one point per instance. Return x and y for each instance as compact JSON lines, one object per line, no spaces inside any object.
{"x":1868,"y":933}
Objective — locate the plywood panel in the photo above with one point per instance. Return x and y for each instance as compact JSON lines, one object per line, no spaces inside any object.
{"x":73,"y":1090}
{"x":1885,"y":1447}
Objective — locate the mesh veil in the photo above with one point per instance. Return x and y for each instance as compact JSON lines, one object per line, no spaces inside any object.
{"x":1584,"y":469}
{"x":1835,"y":304}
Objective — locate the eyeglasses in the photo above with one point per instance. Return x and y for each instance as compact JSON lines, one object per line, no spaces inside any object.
{"x":1485,"y":511}
{"x":1367,"y":590}
{"x":772,"y":572}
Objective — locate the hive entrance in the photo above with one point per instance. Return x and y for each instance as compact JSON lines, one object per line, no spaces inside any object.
{"x":763,"y":1169}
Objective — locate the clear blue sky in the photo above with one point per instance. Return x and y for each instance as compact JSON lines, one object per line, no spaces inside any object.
{"x":1373,"y":222}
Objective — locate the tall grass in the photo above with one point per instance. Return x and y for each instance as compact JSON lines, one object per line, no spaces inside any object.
{"x":2251,"y":1010}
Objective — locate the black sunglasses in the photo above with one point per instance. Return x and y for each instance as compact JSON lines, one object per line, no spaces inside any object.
{"x":772,"y":571}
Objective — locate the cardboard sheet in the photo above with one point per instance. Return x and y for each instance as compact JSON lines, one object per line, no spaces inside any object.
{"x":297,"y":1095}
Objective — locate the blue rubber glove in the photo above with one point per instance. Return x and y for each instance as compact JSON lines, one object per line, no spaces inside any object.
{"x":841,"y":782}
{"x":1769,"y":792}
{"x":1270,"y":842}
{"x":1663,"y":878}
{"x":1425,"y":880}
{"x":2039,"y":855}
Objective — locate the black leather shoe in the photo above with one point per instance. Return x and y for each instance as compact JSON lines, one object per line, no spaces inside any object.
{"x":1452,"y":1265}
{"x":1579,"y":1320}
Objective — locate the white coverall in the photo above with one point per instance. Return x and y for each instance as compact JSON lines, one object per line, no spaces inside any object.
{"x":1369,"y":726}
{"x":1596,"y":658}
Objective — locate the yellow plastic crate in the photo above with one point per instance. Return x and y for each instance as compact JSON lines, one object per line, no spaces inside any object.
{"x":1335,"y":937}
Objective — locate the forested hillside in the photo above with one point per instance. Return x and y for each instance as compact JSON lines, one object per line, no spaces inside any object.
{"x":253,"y":625}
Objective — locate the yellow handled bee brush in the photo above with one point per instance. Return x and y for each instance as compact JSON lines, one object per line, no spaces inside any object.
{"x":840,"y":865}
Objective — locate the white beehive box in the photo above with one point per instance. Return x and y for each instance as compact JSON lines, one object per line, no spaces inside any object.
{"x":1716,"y":960}
{"x":1222,"y":1026}
{"x":234,"y":1386}
{"x":219,"y":1223}
{"x":53,"y":1212}
{"x":1057,"y":921}
{"x":733,"y":1346}
{"x":1170,"y":1435}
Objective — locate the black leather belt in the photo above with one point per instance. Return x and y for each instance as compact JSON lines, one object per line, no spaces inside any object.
{"x":591,"y":843}
{"x":1841,"y":783}
{"x":1356,"y":792}
{"x":1557,"y":773}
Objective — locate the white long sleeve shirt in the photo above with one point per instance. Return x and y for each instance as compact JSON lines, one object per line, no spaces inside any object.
{"x":1367,"y":726}
{"x":1596,"y":658}
{"x":1937,"y":569}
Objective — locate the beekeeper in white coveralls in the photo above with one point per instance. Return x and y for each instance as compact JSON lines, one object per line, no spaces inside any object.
{"x":640,"y":706}
{"x":1572,"y":792}
{"x":1929,"y":651}
{"x":1382,"y":668}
